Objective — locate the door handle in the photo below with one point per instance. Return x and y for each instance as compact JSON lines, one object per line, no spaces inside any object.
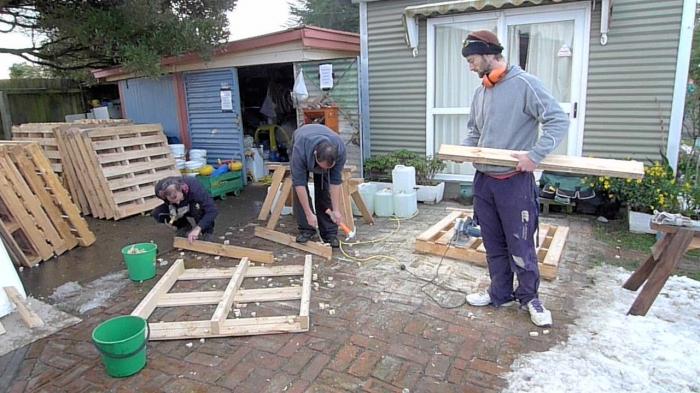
{"x":575,"y":111}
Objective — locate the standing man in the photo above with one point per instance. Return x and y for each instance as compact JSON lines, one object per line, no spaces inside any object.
{"x":188,"y":207}
{"x":506,"y":113}
{"x":319,"y":150}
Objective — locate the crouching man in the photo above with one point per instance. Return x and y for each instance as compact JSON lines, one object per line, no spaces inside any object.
{"x":188,"y":207}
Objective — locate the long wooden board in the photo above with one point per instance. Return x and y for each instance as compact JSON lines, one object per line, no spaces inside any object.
{"x":28,"y":316}
{"x":224,"y":250}
{"x":315,"y":248}
{"x":553,"y":162}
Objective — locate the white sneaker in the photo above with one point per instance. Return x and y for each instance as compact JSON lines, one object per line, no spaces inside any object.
{"x":481,"y":299}
{"x":539,"y":315}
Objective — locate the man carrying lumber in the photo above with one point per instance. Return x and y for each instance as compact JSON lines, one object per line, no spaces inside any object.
{"x":319,"y":150}
{"x":188,"y":207}
{"x":506,"y":113}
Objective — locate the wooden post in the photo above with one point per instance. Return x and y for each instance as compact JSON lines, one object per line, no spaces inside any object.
{"x":5,"y":116}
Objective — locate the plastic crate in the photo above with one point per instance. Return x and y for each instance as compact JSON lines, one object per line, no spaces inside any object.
{"x":219,"y":186}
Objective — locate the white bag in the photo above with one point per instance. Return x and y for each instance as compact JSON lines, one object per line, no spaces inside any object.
{"x":300,"y":93}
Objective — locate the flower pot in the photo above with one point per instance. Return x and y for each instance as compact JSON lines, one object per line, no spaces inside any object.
{"x":430,"y":194}
{"x":639,"y":222}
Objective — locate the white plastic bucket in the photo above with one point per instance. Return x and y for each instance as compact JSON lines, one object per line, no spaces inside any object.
{"x":198,"y":154}
{"x":177,"y":150}
{"x":180,"y":164}
{"x":403,"y":179}
{"x":383,"y":203}
{"x":405,"y":204}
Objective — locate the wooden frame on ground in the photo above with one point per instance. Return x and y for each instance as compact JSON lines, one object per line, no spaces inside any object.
{"x":220,"y":325}
{"x":437,"y":240}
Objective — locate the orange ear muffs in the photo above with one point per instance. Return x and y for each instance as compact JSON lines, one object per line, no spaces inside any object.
{"x":495,"y":76}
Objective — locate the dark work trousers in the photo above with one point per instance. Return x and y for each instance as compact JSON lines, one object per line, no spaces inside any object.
{"x":508,"y":212}
{"x":322,"y":195}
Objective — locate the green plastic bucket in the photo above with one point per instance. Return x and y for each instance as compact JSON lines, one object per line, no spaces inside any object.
{"x":122,"y":343}
{"x":140,"y":260}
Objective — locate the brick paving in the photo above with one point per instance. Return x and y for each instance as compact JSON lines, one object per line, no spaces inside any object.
{"x":386,"y":334}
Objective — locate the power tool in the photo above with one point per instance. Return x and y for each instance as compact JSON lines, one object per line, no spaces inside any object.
{"x":465,"y":229}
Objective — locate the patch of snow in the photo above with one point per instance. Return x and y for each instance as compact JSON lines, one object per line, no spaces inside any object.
{"x":76,"y":297}
{"x":609,"y":351}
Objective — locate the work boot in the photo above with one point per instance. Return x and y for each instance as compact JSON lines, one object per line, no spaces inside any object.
{"x":481,"y":299}
{"x":304,"y":237}
{"x":333,"y":242}
{"x":539,"y":315}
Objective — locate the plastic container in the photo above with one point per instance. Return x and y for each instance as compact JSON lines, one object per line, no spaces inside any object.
{"x":384,"y":203}
{"x":198,"y":155}
{"x":403,"y":179}
{"x":178,"y":150}
{"x":122,"y":343}
{"x":367,"y":191}
{"x":140,"y":260}
{"x":405,"y":204}
{"x":180,"y":164}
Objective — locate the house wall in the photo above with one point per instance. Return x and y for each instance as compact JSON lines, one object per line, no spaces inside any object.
{"x":345,"y":95}
{"x":147,"y":100}
{"x":630,"y":80}
{"x":397,"y":80}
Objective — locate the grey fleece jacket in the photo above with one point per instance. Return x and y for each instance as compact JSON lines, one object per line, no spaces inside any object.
{"x":507,"y":116}
{"x":306,"y":138}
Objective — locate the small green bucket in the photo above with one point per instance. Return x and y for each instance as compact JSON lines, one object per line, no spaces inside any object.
{"x":140,"y":260}
{"x":122,"y":343}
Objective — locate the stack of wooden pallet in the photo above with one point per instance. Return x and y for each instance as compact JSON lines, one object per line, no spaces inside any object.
{"x":111,"y":171}
{"x":43,"y":134}
{"x":37,"y":218}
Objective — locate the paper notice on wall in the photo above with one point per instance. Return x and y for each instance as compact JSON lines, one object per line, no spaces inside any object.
{"x":226,"y":100}
{"x":325,"y":73}
{"x":564,"y":51}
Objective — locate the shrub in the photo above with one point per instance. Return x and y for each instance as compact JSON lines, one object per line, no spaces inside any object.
{"x":379,"y":167}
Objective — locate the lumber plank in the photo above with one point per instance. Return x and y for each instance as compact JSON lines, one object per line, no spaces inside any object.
{"x":84,"y":171}
{"x":2,"y":329}
{"x":281,"y":201}
{"x":315,"y":248}
{"x":224,"y":250}
{"x":231,"y":327}
{"x":277,"y":177}
{"x":136,"y":208}
{"x":306,"y":291}
{"x":553,"y":162}
{"x":556,"y":247}
{"x":149,"y":303}
{"x":69,"y":172}
{"x":252,"y":272}
{"x":28,"y":316}
{"x":119,"y":170}
{"x":224,"y":307}
{"x":360,"y":203}
{"x":123,"y":130}
{"x":346,"y":204}
{"x":440,"y":226}
{"x":21,"y":256}
{"x":126,"y":142}
{"x":242,"y":296}
{"x":143,"y":179}
{"x":108,"y":158}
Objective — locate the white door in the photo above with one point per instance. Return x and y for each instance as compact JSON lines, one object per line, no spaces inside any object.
{"x":550,"y":42}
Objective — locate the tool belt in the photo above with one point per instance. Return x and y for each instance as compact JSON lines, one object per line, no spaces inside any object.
{"x":565,"y":188}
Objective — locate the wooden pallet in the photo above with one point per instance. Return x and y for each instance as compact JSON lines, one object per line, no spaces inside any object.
{"x":113,"y":170}
{"x":43,"y":135}
{"x":437,"y":241}
{"x":38,"y":219}
{"x":220,"y":325}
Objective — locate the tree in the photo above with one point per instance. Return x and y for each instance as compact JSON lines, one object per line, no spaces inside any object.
{"x":84,"y":34}
{"x":332,"y":14}
{"x":24,"y":70}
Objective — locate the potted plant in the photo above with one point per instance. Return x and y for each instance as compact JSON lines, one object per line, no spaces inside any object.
{"x":378,"y":169}
{"x":657,"y":190}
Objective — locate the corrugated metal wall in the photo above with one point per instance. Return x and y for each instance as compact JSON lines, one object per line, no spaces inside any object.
{"x":218,"y":132}
{"x":397,"y":80}
{"x":151,"y":101}
{"x":630,"y":80}
{"x":345,"y":94}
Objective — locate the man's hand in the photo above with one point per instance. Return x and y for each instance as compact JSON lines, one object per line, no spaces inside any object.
{"x":525,"y":164}
{"x":194,"y":234}
{"x":335,"y":215}
{"x":311,"y":219}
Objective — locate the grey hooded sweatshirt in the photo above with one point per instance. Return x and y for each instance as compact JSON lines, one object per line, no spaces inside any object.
{"x":303,"y":161}
{"x":507,"y":116}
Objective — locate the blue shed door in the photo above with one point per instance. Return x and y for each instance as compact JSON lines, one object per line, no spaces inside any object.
{"x":151,"y":101}
{"x":211,"y":128}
